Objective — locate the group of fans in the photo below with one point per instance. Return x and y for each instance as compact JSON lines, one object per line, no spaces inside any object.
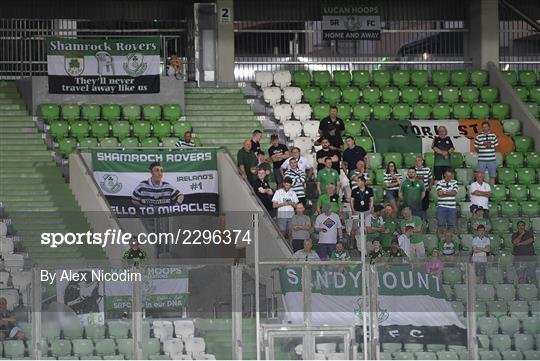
{"x":341,"y":176}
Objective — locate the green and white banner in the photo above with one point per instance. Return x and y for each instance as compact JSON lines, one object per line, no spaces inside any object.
{"x":103,"y":66}
{"x":351,"y":22}
{"x":187,"y":185}
{"x":164,"y":289}
{"x":410,"y":302}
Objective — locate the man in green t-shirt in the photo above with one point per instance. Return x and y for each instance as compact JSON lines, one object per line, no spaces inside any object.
{"x":375,"y":224}
{"x":412,"y":192}
{"x":417,"y":244}
{"x":478,"y":219}
{"x":330,"y":197}
{"x":326,"y":176}
{"x":247,"y":161}
{"x":391,"y":226}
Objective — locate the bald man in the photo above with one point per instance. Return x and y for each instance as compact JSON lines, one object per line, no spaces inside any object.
{"x":247,"y":161}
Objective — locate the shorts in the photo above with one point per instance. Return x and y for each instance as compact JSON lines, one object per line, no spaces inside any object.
{"x":446,"y":216}
{"x":391,"y":195}
{"x":490,"y":167}
{"x":284,"y":224}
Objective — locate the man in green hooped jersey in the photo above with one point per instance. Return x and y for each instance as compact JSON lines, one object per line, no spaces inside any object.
{"x":417,"y":238}
{"x":447,"y":246}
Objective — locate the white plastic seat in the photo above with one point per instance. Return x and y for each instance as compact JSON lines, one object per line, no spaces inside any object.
{"x":195,"y":346}
{"x":302,"y":112}
{"x":326,"y":348}
{"x":292,"y":95}
{"x":12,"y":297}
{"x":311,"y":129}
{"x":21,"y":280}
{"x":173,"y":346}
{"x":304,"y":143}
{"x":207,"y":356}
{"x":319,"y":356}
{"x":292,"y":129}
{"x":263,"y":79}
{"x":282,"y":78}
{"x":4,"y":278}
{"x":272,"y":95}
{"x":336,"y":356}
{"x":163,"y":330}
{"x":282,"y":112}
{"x":14,"y":262}
{"x":184,"y":329}
{"x":6,"y":246}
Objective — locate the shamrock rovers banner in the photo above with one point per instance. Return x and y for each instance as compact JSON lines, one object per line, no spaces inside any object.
{"x":412,"y":305}
{"x":185,"y":182}
{"x":103,"y":66}
{"x":417,"y":135}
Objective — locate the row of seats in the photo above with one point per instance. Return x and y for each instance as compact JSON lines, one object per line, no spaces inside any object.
{"x":119,"y":128}
{"x":498,"y":291}
{"x":502,"y":277}
{"x":400,"y":111}
{"x":462,"y":355}
{"x":390,"y":95}
{"x":110,"y":112}
{"x":528,"y":95}
{"x":526,"y":78}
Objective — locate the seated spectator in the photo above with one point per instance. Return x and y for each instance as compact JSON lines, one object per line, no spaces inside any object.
{"x":284,"y":200}
{"x":479,"y":219}
{"x":404,"y":240}
{"x":395,"y":251}
{"x":331,"y":198}
{"x":247,"y":161}
{"x":335,"y":140}
{"x":134,"y":252}
{"x":300,"y":228}
{"x":307,"y":253}
{"x":187,"y":141}
{"x":328,"y":225}
{"x":278,"y":154}
{"x":298,"y":177}
{"x":256,"y":141}
{"x":392,"y":182}
{"x":349,"y":175}
{"x":447,"y":246}
{"x":325,"y":153}
{"x":376,"y":251}
{"x":303,"y":163}
{"x":263,"y":190}
{"x":479,"y":192}
{"x":435,"y":266}
{"x":523,"y":244}
{"x":175,"y":67}
{"x":481,"y":247}
{"x":8,"y":324}
{"x":262,"y":163}
{"x":391,"y":226}
{"x":417,"y":240}
{"x":327,"y":175}
{"x":375,"y":224}
{"x":340,"y":253}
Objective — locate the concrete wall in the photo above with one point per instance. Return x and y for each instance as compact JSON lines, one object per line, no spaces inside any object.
{"x":35,"y":90}
{"x":482,"y":41}
{"x":225,"y":40}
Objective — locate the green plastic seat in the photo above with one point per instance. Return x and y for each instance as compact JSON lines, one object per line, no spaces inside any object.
{"x":179,"y":128}
{"x":527,"y":292}
{"x":120,"y":129}
{"x":100,"y":129}
{"x":450,"y":94}
{"x":429,"y":159}
{"x":509,"y":209}
{"x":83,"y":347}
{"x":489,"y":94}
{"x":366,"y":143}
{"x":401,"y":111}
{"x":534,"y":109}
{"x":160,"y":129}
{"x":429,"y":95}
{"x":511,"y":127}
{"x":531,"y":325}
{"x":150,"y":142}
{"x":451,"y":275}
{"x":435,"y":347}
{"x":108,"y":142}
{"x":152,"y":112}
{"x":490,"y":355}
{"x":447,"y":355}
{"x":494,"y":276}
{"x":80,"y":129}
{"x":497,"y":308}
{"x":425,"y":355}
{"x":421,"y":111}
{"x":312,"y":95}
{"x":522,"y":92}
{"x":512,"y":355}
{"x":321,"y":78}
{"x":131,"y":112}
{"x":351,"y":95}
{"x":381,"y":78}
{"x":105,"y":347}
{"x":320,"y":111}
{"x":129,"y":142}
{"x":71,"y":112}
{"x":401,"y":78}
{"x":141,"y":129}
{"x":361,"y":78}
{"x":60,"y":348}
{"x":531,"y":354}
{"x":110,"y":112}
{"x":49,"y":112}
{"x":440,"y":78}
{"x":533,"y":160}
{"x":500,"y":110}
{"x":510,"y":76}
{"x":171,"y":112}
{"x":501,"y":342}
{"x":480,"y":111}
{"x":527,"y":78}
{"x":461,"y":111}
{"x":456,"y":160}
{"x":392,"y":347}
{"x":523,"y":342}
{"x":518,"y":310}
{"x":523,"y":143}
{"x":90,"y":112}
{"x":410,"y":95}
{"x":118,"y":329}
{"x":353,"y":128}
{"x":534,"y":95}
{"x":397,"y":158}
{"x":459,"y":78}
{"x":374,"y":161}
{"x":419,"y":78}
{"x":301,"y":78}
{"x":371,"y":95}
{"x":409,"y":159}
{"x":150,"y":347}
{"x":485,"y":292}
{"x":483,"y":342}
{"x":125,"y":347}
{"x":59,"y":129}
{"x":479,"y":78}
{"x":382,"y":111}
{"x":66,"y":146}
{"x":88,"y":143}
{"x":441,"y":111}
{"x":470,"y":94}
{"x":73,"y":330}
{"x":362,"y":112}
{"x":526,"y":176}
{"x":390,"y":95}
{"x":517,"y":192}
{"x":13,"y":349}
{"x":530,"y":209}
{"x":500,"y":227}
{"x":169,"y":142}
{"x":342,"y":78}
{"x":331,"y":95}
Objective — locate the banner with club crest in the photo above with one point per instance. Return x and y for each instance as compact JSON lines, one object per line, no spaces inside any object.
{"x":103,"y":66}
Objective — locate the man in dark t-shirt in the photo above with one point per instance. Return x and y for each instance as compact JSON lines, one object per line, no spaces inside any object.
{"x":256,"y":141}
{"x":329,"y":121}
{"x":523,"y":242}
{"x":327,"y":152}
{"x":278,"y":153}
{"x":352,"y":155}
{"x":336,"y":141}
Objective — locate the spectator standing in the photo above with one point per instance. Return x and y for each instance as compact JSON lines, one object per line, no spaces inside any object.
{"x":278,"y":153}
{"x":328,"y":225}
{"x":375,"y":224}
{"x":412,"y":193}
{"x":361,"y":197}
{"x":298,"y":178}
{"x":446,"y":203}
{"x":486,"y":144}
{"x":392,"y":182}
{"x":404,"y":240}
{"x":256,"y":140}
{"x":326,"y":176}
{"x":340,"y":253}
{"x":523,"y":243}
{"x":262,"y":163}
{"x":417,"y":237}
{"x":391,"y":226}
{"x":247,"y":161}
{"x":481,"y":247}
{"x":331,"y":121}
{"x":303,"y":163}
{"x":447,"y":246}
{"x":359,"y":171}
{"x":352,"y":154}
{"x":423,"y":174}
{"x":285,"y":200}
{"x":479,"y":192}
{"x":307,"y":253}
{"x":326,"y":152}
{"x":300,"y":228}
{"x":187,"y":141}
{"x":443,"y":148}
{"x":331,"y":198}
{"x":263,"y":190}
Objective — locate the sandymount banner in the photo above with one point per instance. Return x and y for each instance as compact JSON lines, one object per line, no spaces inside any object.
{"x":185,"y":184}
{"x":412,"y":304}
{"x":103,"y":66}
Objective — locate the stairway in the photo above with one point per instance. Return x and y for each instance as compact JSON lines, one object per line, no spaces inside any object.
{"x":33,"y":192}
{"x":221,"y":117}
{"x":217,"y":334}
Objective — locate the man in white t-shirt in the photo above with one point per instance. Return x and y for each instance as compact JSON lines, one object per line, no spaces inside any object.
{"x":481,"y":245}
{"x":404,"y":240}
{"x":328,"y":225}
{"x":285,"y":200}
{"x":480,"y":192}
{"x":303,"y":163}
{"x":306,"y":253}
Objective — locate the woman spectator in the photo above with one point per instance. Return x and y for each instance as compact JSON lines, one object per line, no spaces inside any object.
{"x":392,"y":183}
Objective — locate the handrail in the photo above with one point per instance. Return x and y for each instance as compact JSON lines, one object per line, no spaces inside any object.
{"x":355,"y":62}
{"x":311,"y":31}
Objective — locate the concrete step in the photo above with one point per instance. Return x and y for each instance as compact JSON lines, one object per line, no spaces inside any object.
{"x":12,"y":134}
{"x":21,"y":141}
{"x":254,"y":125}
{"x":11,"y":101}
{"x":12,"y":107}
{"x":14,"y":178}
{"x":220,"y":118}
{"x":225,"y":129}
{"x":218,"y":112}
{"x":17,"y":118}
{"x":16,"y":124}
{"x":189,"y":96}
{"x":34,"y":158}
{"x":10,"y":95}
{"x":5,"y":112}
{"x":21,"y":147}
{"x":34,"y":186}
{"x":203,"y":101}
{"x":192,"y":107}
{"x":8,"y":166}
{"x":45,"y":207}
{"x":20,"y":131}
{"x":212,"y":90}
{"x":10,"y":153}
